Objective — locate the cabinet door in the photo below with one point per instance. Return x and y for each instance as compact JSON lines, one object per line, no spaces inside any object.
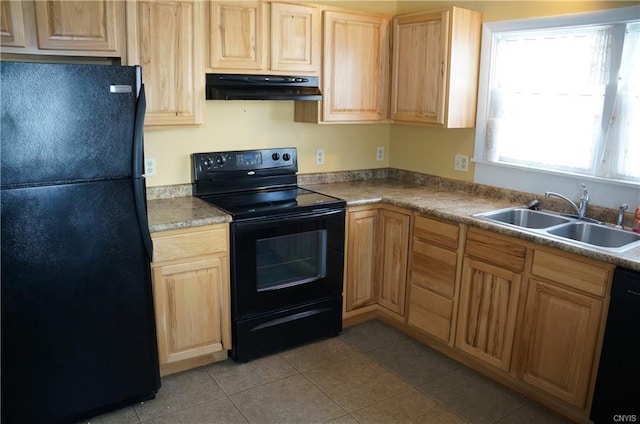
{"x":394,"y":242}
{"x":238,"y":32}
{"x":77,"y":25}
{"x":12,"y":24}
{"x":362,"y":245}
{"x":355,"y":67}
{"x":192,"y":308}
{"x":560,"y":336}
{"x":295,"y":38}
{"x":166,"y":38}
{"x":420,"y":64}
{"x":435,"y":67}
{"x":487,"y":312}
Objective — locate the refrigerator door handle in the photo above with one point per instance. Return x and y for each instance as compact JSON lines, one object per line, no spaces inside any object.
{"x":139,"y":187}
{"x":138,"y":135}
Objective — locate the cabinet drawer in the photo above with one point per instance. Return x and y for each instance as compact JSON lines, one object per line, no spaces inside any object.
{"x":496,"y":250}
{"x":433,"y":268}
{"x":579,"y":274}
{"x":430,"y":313}
{"x":188,"y":243}
{"x":435,"y":231}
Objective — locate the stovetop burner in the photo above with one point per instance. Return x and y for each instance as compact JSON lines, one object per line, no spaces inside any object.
{"x":271,"y":202}
{"x":254,"y":183}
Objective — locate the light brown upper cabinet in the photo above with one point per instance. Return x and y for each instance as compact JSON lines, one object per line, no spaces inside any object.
{"x":264,"y":38}
{"x":436,"y":57}
{"x":167,"y":39}
{"x":70,"y":28}
{"x":12,"y":25}
{"x":355,"y":70}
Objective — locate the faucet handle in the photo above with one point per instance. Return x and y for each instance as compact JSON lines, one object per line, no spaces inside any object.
{"x":585,"y":192}
{"x":623,"y":207}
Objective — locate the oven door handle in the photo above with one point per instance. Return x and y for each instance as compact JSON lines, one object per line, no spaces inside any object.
{"x":290,"y":218}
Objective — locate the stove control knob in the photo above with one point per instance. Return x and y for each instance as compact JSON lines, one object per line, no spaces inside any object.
{"x":220,"y":160}
{"x":286,"y":157}
{"x":275,"y":156}
{"x":207,"y":162}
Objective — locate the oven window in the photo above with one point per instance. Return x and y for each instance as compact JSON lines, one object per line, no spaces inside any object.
{"x":290,"y":260}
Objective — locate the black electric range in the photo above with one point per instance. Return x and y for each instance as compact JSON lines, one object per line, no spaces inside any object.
{"x":286,"y":247}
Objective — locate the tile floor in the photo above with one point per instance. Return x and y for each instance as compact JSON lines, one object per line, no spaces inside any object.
{"x":371,"y":373}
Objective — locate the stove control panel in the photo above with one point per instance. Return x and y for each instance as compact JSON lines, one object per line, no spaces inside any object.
{"x":206,"y":166}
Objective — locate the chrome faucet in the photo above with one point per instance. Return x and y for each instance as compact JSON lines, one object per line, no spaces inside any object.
{"x":621,"y":210}
{"x":584,"y":201}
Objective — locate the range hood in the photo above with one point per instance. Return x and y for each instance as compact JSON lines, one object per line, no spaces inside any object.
{"x":262,"y":87}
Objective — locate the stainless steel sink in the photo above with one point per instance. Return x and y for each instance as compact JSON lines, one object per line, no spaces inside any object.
{"x":525,"y":218}
{"x":570,"y":230}
{"x":596,"y":235}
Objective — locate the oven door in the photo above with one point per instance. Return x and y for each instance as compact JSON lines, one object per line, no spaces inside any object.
{"x":278,"y":262}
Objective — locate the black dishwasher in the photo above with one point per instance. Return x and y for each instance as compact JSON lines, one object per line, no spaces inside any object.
{"x":617,"y":394}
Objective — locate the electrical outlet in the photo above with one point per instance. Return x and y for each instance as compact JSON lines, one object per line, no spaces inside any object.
{"x":380,"y":153}
{"x":319,"y":157}
{"x":461,"y":163}
{"x":150,"y":167}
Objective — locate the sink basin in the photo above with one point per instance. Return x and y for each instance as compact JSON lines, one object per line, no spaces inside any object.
{"x":596,"y":235}
{"x":525,"y":218}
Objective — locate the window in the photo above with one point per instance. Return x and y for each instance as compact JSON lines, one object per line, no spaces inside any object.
{"x":562,"y":95}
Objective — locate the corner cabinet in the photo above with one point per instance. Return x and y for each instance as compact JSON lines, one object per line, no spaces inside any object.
{"x":69,"y":28}
{"x":377,"y":244}
{"x":394,"y":242}
{"x":436,"y":57}
{"x":361,"y":256}
{"x":264,"y":38}
{"x":167,"y":39}
{"x":191,"y":297}
{"x":355,"y":70}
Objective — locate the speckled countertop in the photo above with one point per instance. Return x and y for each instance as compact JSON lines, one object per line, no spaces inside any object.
{"x":458,"y":206}
{"x":182,"y":212}
{"x":440,"y":201}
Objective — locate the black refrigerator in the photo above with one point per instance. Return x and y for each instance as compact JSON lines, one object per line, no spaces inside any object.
{"x":78,"y":333}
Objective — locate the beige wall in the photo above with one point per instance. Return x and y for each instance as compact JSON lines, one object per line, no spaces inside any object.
{"x":259,"y":124}
{"x":237,"y":125}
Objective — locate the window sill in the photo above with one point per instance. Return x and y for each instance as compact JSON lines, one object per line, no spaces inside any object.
{"x":603,"y":192}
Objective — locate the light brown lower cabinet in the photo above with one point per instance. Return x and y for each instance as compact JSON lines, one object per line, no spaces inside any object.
{"x":191,"y":297}
{"x":432,"y":276}
{"x":377,"y":243}
{"x":394,"y":246}
{"x":487,"y":313}
{"x":535,"y":313}
{"x":563,"y":320}
{"x":560,"y":338}
{"x":361,"y":249}
{"x":530,"y":316}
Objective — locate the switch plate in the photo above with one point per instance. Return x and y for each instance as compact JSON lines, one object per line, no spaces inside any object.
{"x":150,"y":167}
{"x":461,"y":163}
{"x":380,"y":153}
{"x":320,"y":157}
